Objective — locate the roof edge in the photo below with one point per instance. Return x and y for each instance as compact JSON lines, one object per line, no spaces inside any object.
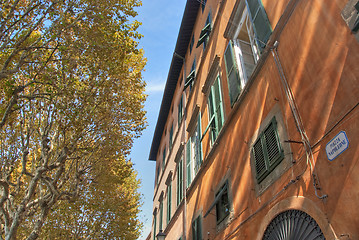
{"x":183,"y":39}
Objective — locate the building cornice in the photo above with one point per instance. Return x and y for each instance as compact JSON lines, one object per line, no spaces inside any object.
{"x":183,"y":39}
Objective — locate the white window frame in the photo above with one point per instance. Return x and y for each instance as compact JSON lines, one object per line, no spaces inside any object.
{"x":237,"y":49}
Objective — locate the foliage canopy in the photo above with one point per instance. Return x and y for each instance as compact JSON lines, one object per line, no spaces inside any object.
{"x":71,"y":103}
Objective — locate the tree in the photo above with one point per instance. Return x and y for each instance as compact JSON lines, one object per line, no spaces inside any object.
{"x":71,"y":103}
{"x":100,"y":214}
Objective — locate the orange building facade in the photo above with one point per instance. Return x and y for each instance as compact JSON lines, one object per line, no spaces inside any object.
{"x":257,"y":135}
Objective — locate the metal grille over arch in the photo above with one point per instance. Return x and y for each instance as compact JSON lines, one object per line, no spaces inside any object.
{"x":293,"y":225}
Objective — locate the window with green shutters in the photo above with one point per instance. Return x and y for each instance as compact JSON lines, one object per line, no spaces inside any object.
{"x":164,"y":159}
{"x":158,"y":175}
{"x":267,"y":151}
{"x":191,"y":77}
{"x":243,"y":51}
{"x":197,"y":146}
{"x":205,"y":32}
{"x":154,"y":225}
{"x":171,"y":138}
{"x":194,"y":152}
{"x":215,"y":110}
{"x":222,"y":203}
{"x":261,"y":25}
{"x":179,"y":181}
{"x":189,"y":163}
{"x":191,"y":44}
{"x":169,"y":201}
{"x":203,"y":2}
{"x":234,"y":85}
{"x":161,"y":216}
{"x":197,"y":229}
{"x":246,"y":49}
{"x":180,"y":111}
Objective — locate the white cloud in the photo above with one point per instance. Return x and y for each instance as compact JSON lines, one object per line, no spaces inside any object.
{"x":155,"y":88}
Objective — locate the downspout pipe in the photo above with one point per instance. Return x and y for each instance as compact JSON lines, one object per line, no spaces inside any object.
{"x":297,"y":118}
{"x":183,"y":139}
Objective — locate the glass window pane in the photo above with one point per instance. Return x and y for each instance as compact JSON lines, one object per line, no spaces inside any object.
{"x":253,"y":7}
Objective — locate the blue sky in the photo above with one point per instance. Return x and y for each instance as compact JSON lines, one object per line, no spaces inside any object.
{"x":161,"y":20}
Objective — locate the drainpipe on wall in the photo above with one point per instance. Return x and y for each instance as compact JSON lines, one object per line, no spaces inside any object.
{"x":183,"y":140}
{"x":298,"y":120}
{"x":184,"y":163}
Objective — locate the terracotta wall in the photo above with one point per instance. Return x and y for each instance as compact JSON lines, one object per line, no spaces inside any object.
{"x":319,"y":57}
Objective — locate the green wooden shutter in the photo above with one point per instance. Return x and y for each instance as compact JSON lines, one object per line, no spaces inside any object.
{"x":273,"y":148}
{"x":260,"y":161}
{"x":215,"y":109}
{"x":197,"y":229}
{"x":161,"y":215}
{"x":222,"y":203}
{"x":191,"y":77}
{"x":218,"y":105}
{"x":154,"y":226}
{"x":178,"y":184}
{"x":169,"y":201}
{"x":171,"y":138}
{"x":191,"y":44}
{"x":158,"y":175}
{"x":267,"y":151}
{"x":262,"y":27}
{"x":164,"y":159}
{"x":194,"y":230}
{"x":233,"y":81}
{"x":203,"y":2}
{"x":198,"y":142}
{"x":182,"y":180}
{"x":180,"y":111}
{"x":211,"y":112}
{"x":188,"y":163}
{"x":205,"y":32}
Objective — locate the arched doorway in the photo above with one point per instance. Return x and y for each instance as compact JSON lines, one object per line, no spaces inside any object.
{"x":293,"y":225}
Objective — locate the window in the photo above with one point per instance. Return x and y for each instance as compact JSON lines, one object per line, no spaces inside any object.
{"x":191,"y":77}
{"x":194,"y":152}
{"x":164,"y":159}
{"x":158,"y":175}
{"x":243,"y":51}
{"x":203,"y":2}
{"x":191,"y":44}
{"x":154,"y":225}
{"x":169,"y":201}
{"x":205,"y":32}
{"x":234,"y":85}
{"x":350,"y":14}
{"x":261,"y":25}
{"x":222,"y":203}
{"x":180,"y":111}
{"x":179,"y":181}
{"x":161,"y":216}
{"x":215,"y":109}
{"x":197,"y":229}
{"x":267,"y":151}
{"x":171,"y":138}
{"x":355,"y":27}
